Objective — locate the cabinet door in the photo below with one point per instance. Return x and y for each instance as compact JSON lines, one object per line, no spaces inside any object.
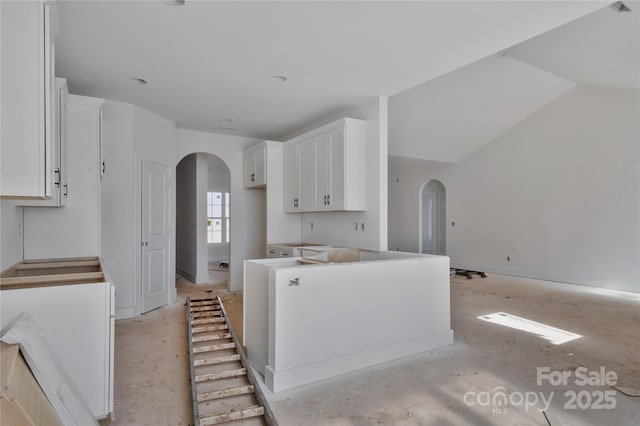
{"x":249,"y":169}
{"x":307,"y":155}
{"x":255,"y":167}
{"x":323,"y":172}
{"x":260,"y":159}
{"x":291,"y":179}
{"x":25,"y":75}
{"x":337,"y":168}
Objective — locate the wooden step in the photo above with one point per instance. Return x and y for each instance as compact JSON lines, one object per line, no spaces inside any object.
{"x":216,"y":360}
{"x":206,"y":314}
{"x":224,"y":393}
{"x":207,"y":328}
{"x":207,"y":320}
{"x":205,"y":308}
{"x":221,"y":375}
{"x":204,"y":302}
{"x":212,"y":348}
{"x":211,"y":337}
{"x":235,"y":414}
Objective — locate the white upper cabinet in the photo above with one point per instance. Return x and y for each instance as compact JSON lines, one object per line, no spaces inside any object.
{"x":58,"y":152}
{"x":255,"y":166}
{"x":292,"y":179}
{"x":325,"y":169}
{"x":27,"y":96}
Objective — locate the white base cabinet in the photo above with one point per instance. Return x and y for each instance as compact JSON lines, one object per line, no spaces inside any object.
{"x":325,"y":169}
{"x":76,"y":320}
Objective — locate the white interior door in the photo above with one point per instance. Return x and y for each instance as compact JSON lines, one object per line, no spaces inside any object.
{"x":155,"y":235}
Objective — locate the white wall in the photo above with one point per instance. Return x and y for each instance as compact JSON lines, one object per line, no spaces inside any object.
{"x":11,"y":234}
{"x":73,"y":230}
{"x":202,"y":252}
{"x":247,"y":206}
{"x":118,"y":237}
{"x":130,"y":135}
{"x":186,"y":241}
{"x":154,"y":139}
{"x":338,"y":228}
{"x":557,"y":193}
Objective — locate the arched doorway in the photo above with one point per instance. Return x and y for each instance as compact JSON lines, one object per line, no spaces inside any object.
{"x":433,"y":218}
{"x":202,"y":218}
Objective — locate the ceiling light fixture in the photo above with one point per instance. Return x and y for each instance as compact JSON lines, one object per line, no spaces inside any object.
{"x":620,"y":7}
{"x":281,"y":78}
{"x":139,"y":81}
{"x":174,"y":2}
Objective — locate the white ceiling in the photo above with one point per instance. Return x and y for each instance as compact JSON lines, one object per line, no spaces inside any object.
{"x":448,"y":118}
{"x":600,"y":49}
{"x":451,"y":116}
{"x":211,"y":61}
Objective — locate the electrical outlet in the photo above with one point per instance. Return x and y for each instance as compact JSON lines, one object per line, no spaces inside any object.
{"x":508,"y":258}
{"x":362,"y":226}
{"x":453,"y":224}
{"x":356,"y":226}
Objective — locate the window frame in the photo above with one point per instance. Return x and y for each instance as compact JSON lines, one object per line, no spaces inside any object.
{"x":226,"y":216}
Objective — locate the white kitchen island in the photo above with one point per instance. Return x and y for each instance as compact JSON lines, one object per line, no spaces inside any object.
{"x":307,"y":322}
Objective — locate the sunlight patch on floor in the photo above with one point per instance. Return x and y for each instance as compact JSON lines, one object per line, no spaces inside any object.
{"x":556,"y":336}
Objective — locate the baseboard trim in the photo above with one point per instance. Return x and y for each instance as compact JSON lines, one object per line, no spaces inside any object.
{"x":289,"y":378}
{"x":124,"y":313}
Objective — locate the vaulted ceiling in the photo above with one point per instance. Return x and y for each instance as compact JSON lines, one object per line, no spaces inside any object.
{"x":449,"y":117}
{"x":210,"y":65}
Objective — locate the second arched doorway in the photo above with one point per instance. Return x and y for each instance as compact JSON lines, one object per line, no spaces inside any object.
{"x":433,"y":218}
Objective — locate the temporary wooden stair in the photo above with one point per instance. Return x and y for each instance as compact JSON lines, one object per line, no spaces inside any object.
{"x":223,"y":387}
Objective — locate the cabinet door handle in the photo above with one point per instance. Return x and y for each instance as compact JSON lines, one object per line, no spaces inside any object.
{"x":66,"y":190}
{"x":57,"y":182}
{"x":328,"y":200}
{"x":103,"y":167}
{"x":253,"y":177}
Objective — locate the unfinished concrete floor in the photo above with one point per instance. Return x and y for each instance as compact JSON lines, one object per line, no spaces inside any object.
{"x":448,"y":386}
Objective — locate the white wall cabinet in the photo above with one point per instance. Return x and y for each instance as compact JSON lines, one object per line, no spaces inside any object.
{"x":325,"y":169}
{"x":255,"y":166}
{"x":59,"y":184}
{"x":27,"y":70}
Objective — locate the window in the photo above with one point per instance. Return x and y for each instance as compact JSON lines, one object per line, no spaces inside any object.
{"x":218,"y":221}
